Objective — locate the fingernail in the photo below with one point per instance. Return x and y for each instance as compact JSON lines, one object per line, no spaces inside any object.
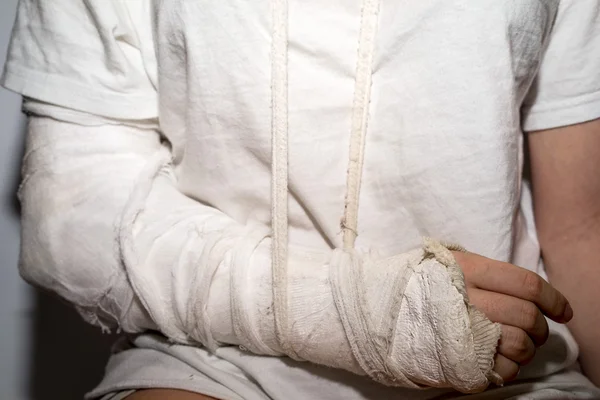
{"x":568,"y":312}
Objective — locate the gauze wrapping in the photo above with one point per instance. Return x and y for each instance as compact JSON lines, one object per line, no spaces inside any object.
{"x":402,"y":320}
{"x":439,"y":340}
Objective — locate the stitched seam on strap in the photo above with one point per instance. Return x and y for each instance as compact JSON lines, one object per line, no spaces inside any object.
{"x":279,"y":165}
{"x":360,"y":117}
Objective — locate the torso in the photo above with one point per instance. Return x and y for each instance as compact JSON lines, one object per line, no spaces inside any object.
{"x":444,"y":147}
{"x":444,"y":144}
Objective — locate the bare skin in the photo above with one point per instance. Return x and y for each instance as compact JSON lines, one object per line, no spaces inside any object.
{"x":565,"y":165}
{"x":566,"y":192}
{"x":518,"y":299}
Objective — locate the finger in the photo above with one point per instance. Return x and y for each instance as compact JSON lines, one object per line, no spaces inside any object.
{"x":506,"y":368}
{"x":509,"y":310}
{"x":516,"y":345}
{"x":497,"y":276}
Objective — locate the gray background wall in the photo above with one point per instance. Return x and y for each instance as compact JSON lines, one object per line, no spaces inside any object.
{"x":15,"y":297}
{"x":46,"y":352}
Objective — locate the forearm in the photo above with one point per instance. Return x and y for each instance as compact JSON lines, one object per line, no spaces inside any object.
{"x":566,"y":192}
{"x":573,"y":267}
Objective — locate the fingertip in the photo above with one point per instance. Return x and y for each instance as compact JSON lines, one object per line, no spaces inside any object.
{"x":568,"y":314}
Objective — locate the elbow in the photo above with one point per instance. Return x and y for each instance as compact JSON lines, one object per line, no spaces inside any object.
{"x":77,"y":182}
{"x":66,"y":243}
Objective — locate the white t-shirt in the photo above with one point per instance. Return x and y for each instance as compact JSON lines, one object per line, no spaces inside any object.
{"x":455,"y":84}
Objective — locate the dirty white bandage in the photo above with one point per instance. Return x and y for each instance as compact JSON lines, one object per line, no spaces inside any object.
{"x":198,"y":276}
{"x":406,"y":319}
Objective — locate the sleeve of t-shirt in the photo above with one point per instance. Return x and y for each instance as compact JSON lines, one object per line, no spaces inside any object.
{"x":84,"y":55}
{"x":566,"y":90}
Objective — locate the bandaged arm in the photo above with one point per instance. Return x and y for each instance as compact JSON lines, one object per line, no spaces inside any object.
{"x":105,"y":227}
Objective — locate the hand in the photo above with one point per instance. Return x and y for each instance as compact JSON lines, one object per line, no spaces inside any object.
{"x":518,"y":299}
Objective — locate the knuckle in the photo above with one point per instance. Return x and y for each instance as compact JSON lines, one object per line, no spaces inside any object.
{"x":518,"y":344}
{"x":529,"y":316}
{"x":523,"y":347}
{"x":464,"y":263}
{"x":488,"y":265}
{"x":527,"y":358}
{"x":519,"y":341}
{"x":533,"y":285}
{"x":507,"y":368}
{"x":512,"y":373}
